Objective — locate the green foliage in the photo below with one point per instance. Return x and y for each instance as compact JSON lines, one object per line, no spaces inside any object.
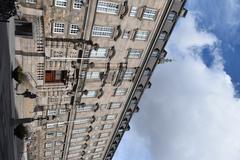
{"x":19,"y":75}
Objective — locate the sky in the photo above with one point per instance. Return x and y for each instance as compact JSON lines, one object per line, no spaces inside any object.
{"x":192,"y":110}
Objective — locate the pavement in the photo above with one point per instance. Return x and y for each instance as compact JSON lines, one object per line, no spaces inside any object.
{"x":10,"y":146}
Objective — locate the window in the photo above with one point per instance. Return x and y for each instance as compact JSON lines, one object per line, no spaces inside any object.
{"x":49,"y":145}
{"x":142,"y":35}
{"x":107,"y":126}
{"x":102,"y":31}
{"x":162,"y":35}
{"x":60,"y":134}
{"x":126,"y":34}
{"x":96,"y":156}
{"x":171,"y":16}
{"x":107,"y":7}
{"x":134,"y":53}
{"x":129,"y":74}
{"x":62,"y":111}
{"x":80,"y":130}
{"x":77,"y":4}
{"x":147,"y":72}
{"x":155,"y":54}
{"x":111,"y":117}
{"x":93,"y":75}
{"x":50,"y":134}
{"x":85,"y":108}
{"x":51,"y":112}
{"x":114,"y":105}
{"x":31,"y":1}
{"x":58,"y":27}
{"x":48,"y":153}
{"x":90,"y":94}
{"x":104,"y":135}
{"x":79,"y":139}
{"x":100,"y":52}
{"x":133,"y":12}
{"x":58,"y":143}
{"x":101,"y":142}
{"x":100,"y":149}
{"x":149,"y":14}
{"x":51,"y":125}
{"x":61,"y":3}
{"x":83,"y":120}
{"x":120,"y":91}
{"x":74,"y":29}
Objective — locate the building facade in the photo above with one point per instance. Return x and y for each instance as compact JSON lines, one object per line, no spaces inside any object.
{"x":89,"y":62}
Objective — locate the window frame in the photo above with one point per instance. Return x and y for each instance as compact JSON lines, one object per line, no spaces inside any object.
{"x":102,"y":31}
{"x":149,"y":14}
{"x":72,"y":30}
{"x":99,"y":53}
{"x":75,"y":3}
{"x":60,"y":3}
{"x":107,"y":7}
{"x":58,"y":29}
{"x":142,"y":35}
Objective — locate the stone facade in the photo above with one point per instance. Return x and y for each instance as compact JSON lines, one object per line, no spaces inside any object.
{"x":89,"y":62}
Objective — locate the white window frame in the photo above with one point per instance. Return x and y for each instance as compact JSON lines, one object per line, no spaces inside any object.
{"x":93,"y":75}
{"x":107,"y":126}
{"x":126,"y":35}
{"x":79,"y":130}
{"x":77,"y":4}
{"x":52,"y":135}
{"x":135,"y":53}
{"x":31,"y":1}
{"x":111,"y":117}
{"x":121,"y":91}
{"x":85,"y":108}
{"x":115,"y":105}
{"x":49,"y":145}
{"x":47,"y":153}
{"x":83,"y":120}
{"x":102,"y":31}
{"x":150,"y":14}
{"x":99,"y":149}
{"x":142,"y":35}
{"x":129,"y":74}
{"x":74,"y":29}
{"x":99,"y":53}
{"x":58,"y":27}
{"x":90,"y":94}
{"x":163,"y":35}
{"x":61,"y":3}
{"x":51,"y":112}
{"x":104,"y":135}
{"x":51,"y":125}
{"x":133,"y":11}
{"x":107,"y":7}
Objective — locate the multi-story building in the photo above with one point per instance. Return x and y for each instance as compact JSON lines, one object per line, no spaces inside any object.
{"x":89,"y":62}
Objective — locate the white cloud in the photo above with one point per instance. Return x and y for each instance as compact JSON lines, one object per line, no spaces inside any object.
{"x":190,"y":112}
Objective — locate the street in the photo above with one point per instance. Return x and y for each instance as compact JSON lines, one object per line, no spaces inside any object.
{"x":8,"y":145}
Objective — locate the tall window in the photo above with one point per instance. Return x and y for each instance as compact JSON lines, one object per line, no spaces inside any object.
{"x":120,"y":91}
{"x":149,"y":14}
{"x":90,"y":94}
{"x":61,"y":3}
{"x":107,"y":126}
{"x":93,"y":75}
{"x":163,"y":35}
{"x":79,"y":130}
{"x":58,"y":27}
{"x":77,"y":4}
{"x":51,"y":112}
{"x":31,"y":1}
{"x":74,"y":29}
{"x":133,"y":12}
{"x":107,"y":7}
{"x":85,"y":108}
{"x":134,"y":53}
{"x":114,"y":105}
{"x":111,"y":117}
{"x":100,"y":52}
{"x":142,"y":35}
{"x":102,"y":31}
{"x":83,"y":120}
{"x":129,"y":73}
{"x":171,"y":17}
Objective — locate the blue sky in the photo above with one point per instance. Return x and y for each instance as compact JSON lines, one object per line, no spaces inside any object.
{"x":193,"y":114}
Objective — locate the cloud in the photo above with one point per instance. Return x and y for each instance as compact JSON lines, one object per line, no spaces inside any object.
{"x":190,"y":112}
